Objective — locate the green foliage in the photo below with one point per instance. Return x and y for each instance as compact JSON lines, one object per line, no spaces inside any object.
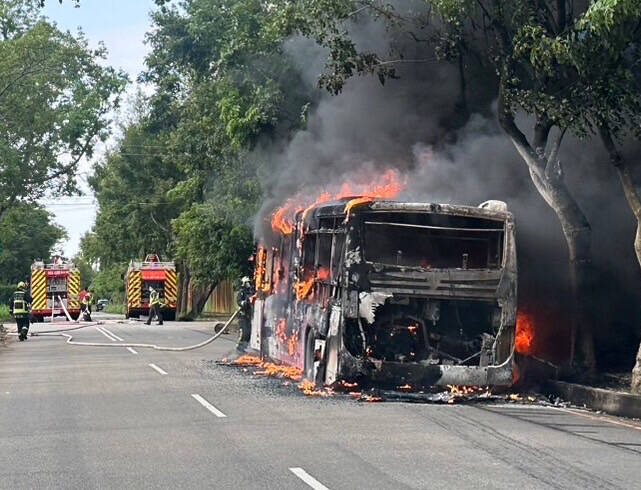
{"x":115,"y":308}
{"x":27,"y":234}
{"x":54,"y":98}
{"x":211,"y":246}
{"x":86,"y":271}
{"x":4,"y":313}
{"x":179,"y":182}
{"x":132,"y":186}
{"x":109,"y":283}
{"x":6,"y":293}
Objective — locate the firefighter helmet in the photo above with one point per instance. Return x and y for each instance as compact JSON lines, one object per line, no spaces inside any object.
{"x":22,"y":285}
{"x":245,"y":280}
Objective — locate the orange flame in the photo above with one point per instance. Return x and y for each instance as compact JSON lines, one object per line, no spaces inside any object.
{"x":322,"y":274}
{"x":388,"y":186}
{"x":304,"y":288}
{"x":524,"y":342}
{"x":281,"y":331}
{"x":269,"y":368}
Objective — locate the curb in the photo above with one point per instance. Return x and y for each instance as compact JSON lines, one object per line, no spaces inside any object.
{"x":612,"y":402}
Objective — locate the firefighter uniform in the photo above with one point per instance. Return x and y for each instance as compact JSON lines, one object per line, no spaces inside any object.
{"x":20,"y":309}
{"x":154,"y":307}
{"x":85,"y":304}
{"x":244,"y":300}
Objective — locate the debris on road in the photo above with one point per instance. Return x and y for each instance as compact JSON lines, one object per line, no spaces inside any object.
{"x":372,"y":394}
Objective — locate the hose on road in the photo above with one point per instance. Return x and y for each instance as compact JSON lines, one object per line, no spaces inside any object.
{"x":70,"y":341}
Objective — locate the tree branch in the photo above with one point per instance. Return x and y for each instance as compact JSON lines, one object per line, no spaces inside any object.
{"x":506,"y":120}
{"x":556,"y":145}
{"x":542,"y":129}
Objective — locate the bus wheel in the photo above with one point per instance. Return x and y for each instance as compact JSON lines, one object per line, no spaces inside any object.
{"x":310,"y":356}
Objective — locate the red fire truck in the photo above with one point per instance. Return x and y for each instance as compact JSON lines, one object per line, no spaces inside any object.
{"x":54,"y":288}
{"x":151,"y":273}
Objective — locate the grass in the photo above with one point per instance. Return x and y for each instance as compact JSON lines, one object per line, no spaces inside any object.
{"x":4,"y":313}
{"x":114,"y":308}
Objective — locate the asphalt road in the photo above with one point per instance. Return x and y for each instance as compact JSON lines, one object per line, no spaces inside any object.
{"x":80,"y":417}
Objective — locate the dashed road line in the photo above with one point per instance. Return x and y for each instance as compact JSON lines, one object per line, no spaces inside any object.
{"x":132,"y":350}
{"x":309,"y":479}
{"x":113,"y":339}
{"x":208,"y":406}
{"x":157,"y":369}
{"x":112,"y":334}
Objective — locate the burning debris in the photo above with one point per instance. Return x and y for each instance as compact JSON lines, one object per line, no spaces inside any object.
{"x":269,"y":368}
{"x":404,"y":393}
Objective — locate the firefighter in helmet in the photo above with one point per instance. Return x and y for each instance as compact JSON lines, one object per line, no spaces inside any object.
{"x":154,"y":306}
{"x":245,"y":300}
{"x":20,"y":308}
{"x":85,"y":305}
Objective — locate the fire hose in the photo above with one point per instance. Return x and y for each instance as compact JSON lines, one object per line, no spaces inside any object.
{"x":70,"y":341}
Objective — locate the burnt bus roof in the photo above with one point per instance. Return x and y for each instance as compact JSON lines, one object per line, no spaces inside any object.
{"x":337,"y":208}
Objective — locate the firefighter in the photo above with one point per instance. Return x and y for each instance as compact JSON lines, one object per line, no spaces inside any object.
{"x":245,"y":300}
{"x":85,"y":305}
{"x":20,"y":307}
{"x":154,"y":307}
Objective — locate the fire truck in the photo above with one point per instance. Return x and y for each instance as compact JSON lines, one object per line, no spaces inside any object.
{"x":54,"y":288}
{"x":151,"y":273}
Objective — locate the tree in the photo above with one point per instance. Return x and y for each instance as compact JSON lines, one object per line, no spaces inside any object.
{"x":132,"y":187}
{"x":86,"y":271}
{"x":602,"y":53}
{"x":108,"y":283}
{"x":213,"y":248}
{"x":55,"y":97}
{"x":27,"y":234}
{"x":518,"y":42}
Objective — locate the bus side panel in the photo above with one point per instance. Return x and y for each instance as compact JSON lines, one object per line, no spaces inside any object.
{"x":255,"y":340}
{"x":333,"y":345}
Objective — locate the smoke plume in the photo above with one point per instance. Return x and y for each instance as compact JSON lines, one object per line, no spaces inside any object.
{"x":415,"y":125}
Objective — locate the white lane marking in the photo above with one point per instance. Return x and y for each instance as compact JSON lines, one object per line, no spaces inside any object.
{"x":600,"y":419}
{"x":156,"y":368}
{"x":309,"y":479}
{"x":113,"y":339}
{"x":131,"y":350}
{"x":113,"y":334}
{"x":208,"y":406}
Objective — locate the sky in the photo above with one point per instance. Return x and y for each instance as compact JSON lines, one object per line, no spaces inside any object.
{"x":121,"y":25}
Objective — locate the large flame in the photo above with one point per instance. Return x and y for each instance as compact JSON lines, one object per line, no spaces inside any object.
{"x":386,"y":186}
{"x":524,"y":343}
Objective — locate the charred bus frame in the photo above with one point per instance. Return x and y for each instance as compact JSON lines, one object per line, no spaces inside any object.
{"x":399,"y":293}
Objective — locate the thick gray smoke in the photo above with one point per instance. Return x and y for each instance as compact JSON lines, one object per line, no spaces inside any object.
{"x":414,"y":125}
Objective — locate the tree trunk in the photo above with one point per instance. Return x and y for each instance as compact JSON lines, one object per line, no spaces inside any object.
{"x":199,"y":297}
{"x":183,"y":290}
{"x":633,"y":196}
{"x":547,"y":175}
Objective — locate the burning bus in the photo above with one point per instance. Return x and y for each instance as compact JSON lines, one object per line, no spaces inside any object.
{"x":393,"y":292}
